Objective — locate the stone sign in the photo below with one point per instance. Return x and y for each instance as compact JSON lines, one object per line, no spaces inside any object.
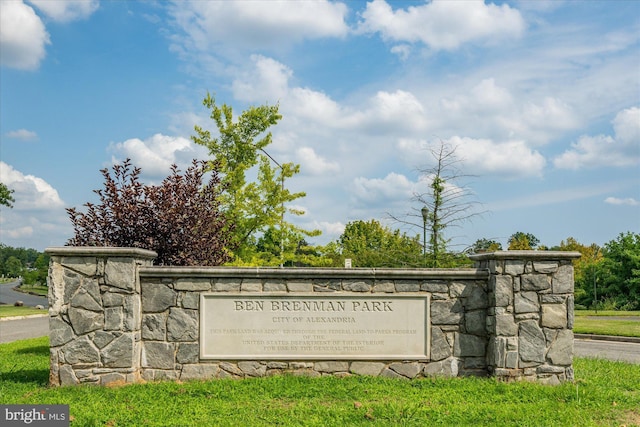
{"x":304,"y":327}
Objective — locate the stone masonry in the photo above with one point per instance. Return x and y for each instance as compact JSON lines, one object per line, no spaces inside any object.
{"x":115,"y":318}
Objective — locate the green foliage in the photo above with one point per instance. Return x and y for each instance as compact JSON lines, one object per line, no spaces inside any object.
{"x":29,"y":264}
{"x":485,"y":245}
{"x":520,"y":241}
{"x":254,"y":207}
{"x":619,"y":278}
{"x":370,"y":244}
{"x":6,"y":197}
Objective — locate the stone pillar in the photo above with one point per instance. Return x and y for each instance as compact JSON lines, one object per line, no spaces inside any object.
{"x":95,"y":314}
{"x":530,"y":315}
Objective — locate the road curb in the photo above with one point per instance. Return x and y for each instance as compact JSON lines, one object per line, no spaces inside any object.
{"x":606,"y":338}
{"x":4,"y":319}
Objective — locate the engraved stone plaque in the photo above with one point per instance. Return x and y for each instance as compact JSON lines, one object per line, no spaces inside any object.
{"x":314,"y":327}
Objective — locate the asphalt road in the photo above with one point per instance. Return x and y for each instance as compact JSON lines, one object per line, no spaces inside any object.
{"x":9,"y":296}
{"x":23,"y":328}
{"x":33,"y":327}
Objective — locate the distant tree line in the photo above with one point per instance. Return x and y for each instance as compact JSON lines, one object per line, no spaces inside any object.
{"x":31,"y":265}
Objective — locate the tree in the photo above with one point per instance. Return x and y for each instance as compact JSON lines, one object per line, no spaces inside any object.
{"x":448,"y":203}
{"x":585,"y":269}
{"x":179,"y":219}
{"x":370,"y":244}
{"x":485,"y":245}
{"x":6,"y":197}
{"x":253,"y":207}
{"x":520,"y":241}
{"x":620,"y":272}
{"x":14,"y":267}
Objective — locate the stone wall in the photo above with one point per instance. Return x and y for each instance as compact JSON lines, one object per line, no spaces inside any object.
{"x":116,"y":318}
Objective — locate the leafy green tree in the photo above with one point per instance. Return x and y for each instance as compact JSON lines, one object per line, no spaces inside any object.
{"x":370,"y":244}
{"x":254,"y":207}
{"x":619,"y":278}
{"x":520,"y":241}
{"x":14,"y":267}
{"x":6,"y":197}
{"x":585,"y":268}
{"x":485,"y":245}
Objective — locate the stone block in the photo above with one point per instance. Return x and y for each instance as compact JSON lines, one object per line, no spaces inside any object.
{"x":252,"y":368}
{"x":444,"y":368}
{"x":407,"y":286}
{"x":534,"y":282}
{"x":432,"y":286}
{"x":182,"y":325}
{"x":85,"y":265}
{"x":545,"y":266}
{"x":120,"y":353}
{"x":87,"y":297}
{"x":158,"y":355}
{"x":526,"y":302}
{"x":388,"y":287}
{"x":85,"y":321}
{"x":251,"y":285}
{"x":440,"y":347}
{"x":406,"y":369}
{"x":366,"y":368}
{"x":190,"y":300}
{"x":121,"y":272}
{"x":300,"y":286}
{"x":332,"y":366}
{"x":446,"y":312}
{"x":226,"y":285}
{"x":570,"y":312}
{"x":513,"y":267}
{"x":60,"y":332}
{"x":102,"y":338}
{"x":466,"y":345}
{"x":157,"y":297}
{"x":475,"y":298}
{"x":192,"y":285}
{"x":112,"y":299}
{"x":511,"y":361}
{"x":554,"y":316}
{"x":275,"y":287}
{"x":188,"y":353}
{"x":531,"y":342}
{"x":356,"y":286}
{"x":476,"y":322}
{"x":132,"y":313}
{"x":505,"y":325}
{"x":198,"y":372}
{"x":561,"y":350}
{"x":562,"y":281}
{"x":389,"y":373}
{"x":67,"y":376}
{"x":154,"y":327}
{"x":79,"y":351}
{"x":113,"y":318}
{"x":503,"y":290}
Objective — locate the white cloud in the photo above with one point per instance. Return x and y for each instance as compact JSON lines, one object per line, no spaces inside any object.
{"x":256,"y":24}
{"x":443,"y":24}
{"x":156,"y":154}
{"x":30,"y":192}
{"x":23,"y":36}
{"x":393,"y":187}
{"x":66,"y":10}
{"x":629,"y":201}
{"x":312,"y":163}
{"x":267,"y":81}
{"x":620,"y":150}
{"x":22,"y":134}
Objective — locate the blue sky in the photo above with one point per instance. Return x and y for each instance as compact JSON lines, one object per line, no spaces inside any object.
{"x":540,"y":98}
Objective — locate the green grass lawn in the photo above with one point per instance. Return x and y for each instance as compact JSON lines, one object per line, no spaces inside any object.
{"x":41,"y":290}
{"x":604,"y":394}
{"x":628,"y":326}
{"x":11,"y":311}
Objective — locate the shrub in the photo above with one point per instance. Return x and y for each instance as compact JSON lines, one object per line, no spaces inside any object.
{"x":179,"y":219}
